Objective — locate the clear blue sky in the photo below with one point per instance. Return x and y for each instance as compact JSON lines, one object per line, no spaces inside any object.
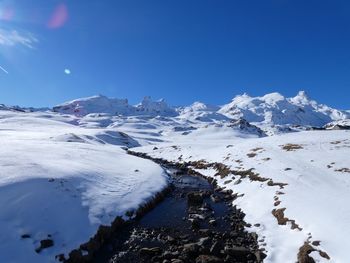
{"x":182,"y":50}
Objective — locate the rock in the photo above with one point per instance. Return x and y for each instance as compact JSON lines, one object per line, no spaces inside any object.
{"x":195,"y":224}
{"x":216,"y":248}
{"x":150,"y":251}
{"x":170,"y":255}
{"x":237,"y":252}
{"x":45,"y":243}
{"x":191,"y":249}
{"x":206,"y":232}
{"x":213,"y":222}
{"x":259,"y":256}
{"x":237,"y":182}
{"x":208,"y":259}
{"x":170,"y":239}
{"x":176,"y":260}
{"x":204,"y":241}
{"x":194,"y":199}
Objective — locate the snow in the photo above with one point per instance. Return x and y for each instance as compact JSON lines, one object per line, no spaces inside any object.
{"x":275,"y":109}
{"x":64,"y":181}
{"x":103,"y":104}
{"x":65,"y":172}
{"x":316,"y":196}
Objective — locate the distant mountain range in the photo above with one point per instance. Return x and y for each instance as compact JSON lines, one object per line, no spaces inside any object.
{"x":269,"y":110}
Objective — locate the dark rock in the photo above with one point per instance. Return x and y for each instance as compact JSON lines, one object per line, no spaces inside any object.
{"x":194,"y":198}
{"x":208,"y":259}
{"x":195,"y":224}
{"x":45,"y":243}
{"x":215,"y":198}
{"x":204,"y":242}
{"x":191,"y":249}
{"x":237,"y":252}
{"x":213,"y":222}
{"x":216,"y":248}
{"x":150,"y":251}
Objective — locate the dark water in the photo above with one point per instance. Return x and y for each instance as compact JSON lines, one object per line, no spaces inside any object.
{"x":171,"y":215}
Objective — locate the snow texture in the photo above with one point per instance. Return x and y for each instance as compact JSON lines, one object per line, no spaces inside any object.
{"x":64,"y":172}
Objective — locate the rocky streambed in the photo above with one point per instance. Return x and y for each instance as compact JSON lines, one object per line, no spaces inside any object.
{"x":195,"y":222}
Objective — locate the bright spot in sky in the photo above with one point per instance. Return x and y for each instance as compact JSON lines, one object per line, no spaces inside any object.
{"x":59,"y":17}
{"x":67,"y":71}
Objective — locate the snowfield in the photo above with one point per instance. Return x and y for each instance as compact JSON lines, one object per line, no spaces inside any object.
{"x":316,"y":194}
{"x":65,"y":172}
{"x":61,"y":182}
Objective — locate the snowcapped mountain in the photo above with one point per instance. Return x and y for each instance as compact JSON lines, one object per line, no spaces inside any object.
{"x":270,"y":110}
{"x":199,"y":111}
{"x":154,"y":108}
{"x":275,"y":109}
{"x":103,"y":104}
{"x":72,"y":159}
{"x":95,"y":104}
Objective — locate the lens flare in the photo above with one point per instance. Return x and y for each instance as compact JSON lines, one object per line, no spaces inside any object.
{"x":59,"y":17}
{"x":7,"y":13}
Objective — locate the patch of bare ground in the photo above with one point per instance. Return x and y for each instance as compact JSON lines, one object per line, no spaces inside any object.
{"x":282,"y":220}
{"x":304,"y":253}
{"x":277,"y":203}
{"x":339,"y":141}
{"x":272,"y":183}
{"x":336,"y":142}
{"x":223,"y":171}
{"x":306,"y":249}
{"x":343,"y":170}
{"x":291,"y":147}
{"x":251,"y":155}
{"x":255,"y":151}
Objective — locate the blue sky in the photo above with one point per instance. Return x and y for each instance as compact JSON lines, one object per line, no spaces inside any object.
{"x":182,"y":50}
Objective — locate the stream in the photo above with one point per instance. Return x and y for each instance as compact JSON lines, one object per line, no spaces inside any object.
{"x":193,"y":223}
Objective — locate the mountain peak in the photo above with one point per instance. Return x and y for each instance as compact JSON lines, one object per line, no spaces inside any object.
{"x":301,"y":98}
{"x":302,"y":93}
{"x":272,"y":97}
{"x":275,"y":109}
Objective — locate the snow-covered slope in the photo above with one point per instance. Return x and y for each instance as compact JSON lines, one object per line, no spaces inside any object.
{"x":275,"y":109}
{"x":61,"y":182}
{"x":64,"y":172}
{"x":303,"y":176}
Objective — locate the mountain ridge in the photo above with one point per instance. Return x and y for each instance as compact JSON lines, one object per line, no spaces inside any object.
{"x":270,"y":109}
